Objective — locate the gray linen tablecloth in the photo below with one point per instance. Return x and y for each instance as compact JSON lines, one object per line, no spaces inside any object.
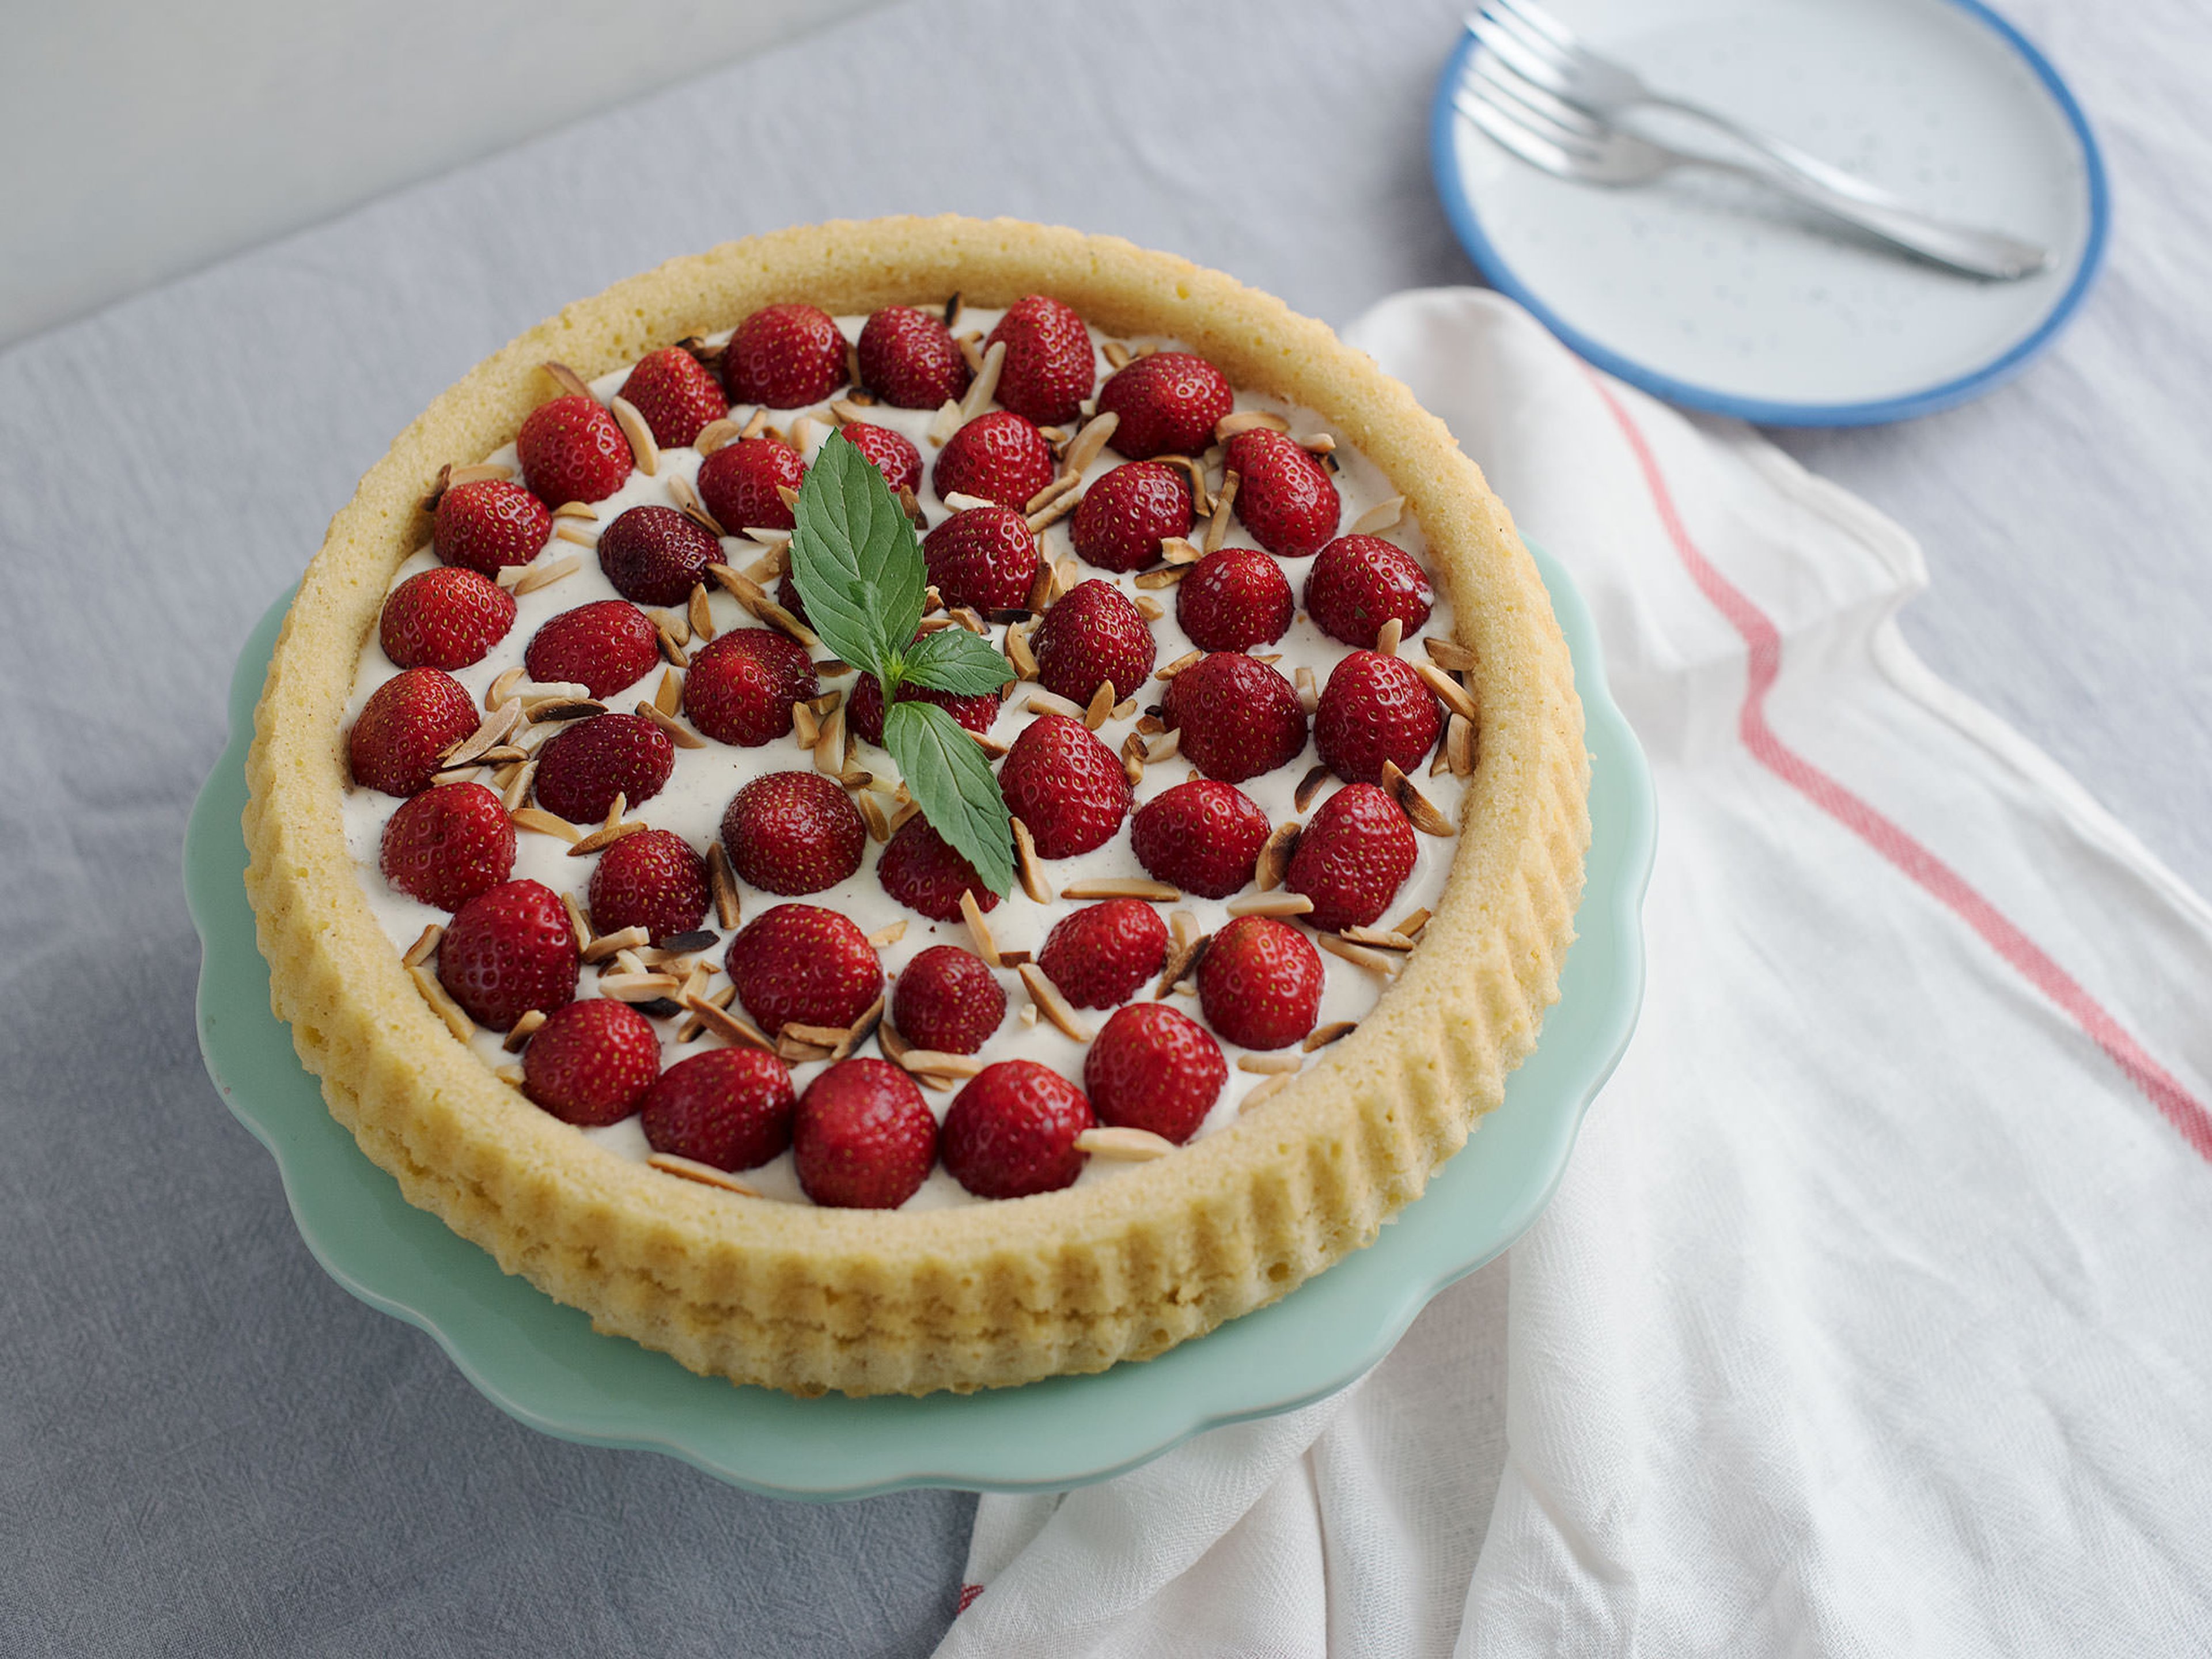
{"x":205,"y":1446}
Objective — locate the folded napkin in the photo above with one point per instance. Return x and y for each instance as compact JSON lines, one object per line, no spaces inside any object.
{"x":1874,"y":1313}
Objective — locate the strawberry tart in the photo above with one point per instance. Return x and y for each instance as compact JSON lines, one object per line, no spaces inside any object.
{"x":918,"y":805}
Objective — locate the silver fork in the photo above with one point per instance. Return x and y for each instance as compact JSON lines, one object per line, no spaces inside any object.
{"x":1542,"y":94}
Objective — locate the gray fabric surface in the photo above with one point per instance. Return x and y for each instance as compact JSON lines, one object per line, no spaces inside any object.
{"x":205,"y":1446}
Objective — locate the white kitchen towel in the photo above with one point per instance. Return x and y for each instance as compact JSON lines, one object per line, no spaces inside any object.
{"x":1874,"y":1313}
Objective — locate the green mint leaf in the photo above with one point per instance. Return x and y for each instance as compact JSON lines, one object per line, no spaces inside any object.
{"x":951,"y":781}
{"x":855,"y":560}
{"x":953,"y":659}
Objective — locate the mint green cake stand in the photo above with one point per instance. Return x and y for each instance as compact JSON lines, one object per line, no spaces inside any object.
{"x":544,"y":1363}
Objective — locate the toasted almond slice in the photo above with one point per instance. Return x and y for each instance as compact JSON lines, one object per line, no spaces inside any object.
{"x":1133,"y":760}
{"x":1165,"y":747}
{"x":536,"y":576}
{"x":1026,"y":865}
{"x":583,"y":510}
{"x":1028,"y":1013}
{"x":1270,"y":904}
{"x":1052,"y":492}
{"x":1171,"y":670}
{"x":514,"y":1075}
{"x":481,"y":472}
{"x":1067,"y":574}
{"x":1135,"y":887}
{"x":1045,"y":518}
{"x":802,"y":435}
{"x":503,"y":689}
{"x":1309,"y":787}
{"x":1175,"y":550}
{"x":688,"y":503}
{"x":1167,"y":578}
{"x":715,"y":434}
{"x":859,"y":1031}
{"x":625,"y":961}
{"x":600,"y":840}
{"x":825,"y":1037}
{"x":989,"y":745}
{"x":768,"y":536}
{"x":1448,"y":654}
{"x":1054,"y":1007}
{"x":830,"y":746}
{"x":568,"y":380}
{"x":1309,"y":692}
{"x":1115,"y":354}
{"x":1051,"y":703}
{"x":906,"y":810}
{"x":1101,"y":705}
{"x":671,"y":647}
{"x":846,"y":411}
{"x":1216,"y":527}
{"x":1419,"y":807}
{"x":606,"y":945}
{"x":425,"y":943}
{"x":545,"y":823}
{"x":642,"y":448}
{"x":491,"y":730}
{"x":985,"y":386}
{"x":1120,"y":1145}
{"x":1387,"y":636}
{"x":442,"y":1004}
{"x":1265,"y":1089}
{"x":895,"y":1048}
{"x":1274,"y":860}
{"x":1085,"y":446}
{"x":1268,"y":1065}
{"x":722,"y":883}
{"x":1453,"y":695}
{"x":971,"y":913}
{"x":890,"y":933}
{"x":564,"y":533}
{"x":1383,"y":515}
{"x":1322,"y":1035}
{"x":1381,"y":938}
{"x":706,"y":1175}
{"x":699,"y":613}
{"x":1150,"y":608}
{"x":970,"y":342}
{"x":1248,"y":420}
{"x":542,"y":710}
{"x":1411,"y":924}
{"x":831,"y":668}
{"x":1017,"y":650}
{"x":1459,"y":744}
{"x":522,"y":1031}
{"x":944,"y":422}
{"x":756,"y":423}
{"x":639,"y":987}
{"x":518,"y":789}
{"x":1318,"y":443}
{"x":966,"y":617}
{"x":1363,"y":955}
{"x":880,"y":827}
{"x":942,"y":1065}
{"x":806,"y":728}
{"x":731,"y":1028}
{"x":668,"y":695}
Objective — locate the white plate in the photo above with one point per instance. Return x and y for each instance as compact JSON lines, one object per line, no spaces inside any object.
{"x":1712,"y":293}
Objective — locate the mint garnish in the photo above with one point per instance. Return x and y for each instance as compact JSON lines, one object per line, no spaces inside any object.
{"x":858,"y":567}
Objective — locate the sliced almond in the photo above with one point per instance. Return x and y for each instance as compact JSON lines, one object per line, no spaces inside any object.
{"x":513,"y":1076}
{"x":699,"y":613}
{"x":1115,"y":354}
{"x":1363,"y":955}
{"x":1133,"y":759}
{"x":572,"y":534}
{"x":756,"y":423}
{"x":542,"y":711}
{"x":1101,"y":705}
{"x":1167,"y":578}
{"x":1027,"y":867}
{"x":895,"y":1048}
{"x":1419,"y":808}
{"x":1052,"y":492}
{"x":1448,"y":654}
{"x":880,"y":827}
{"x":1383,"y":515}
{"x":1453,"y":695}
{"x":830,"y":746}
{"x":1267,"y":1088}
{"x":1085,"y":446}
{"x":522,"y":1031}
{"x":1248,"y":420}
{"x":1411,"y":924}
{"x":940,"y":1064}
{"x":1322,"y":1035}
{"x":600,"y":840}
{"x":971,"y":913}
{"x":1459,"y":744}
{"x":536,"y":576}
{"x":1053,"y":1005}
{"x":890,"y":933}
{"x":469,"y":774}
{"x":639,"y":987}
{"x":1135,"y":887}
{"x":846,"y":411}
{"x":543,"y":823}
{"x":985,"y":386}
{"x":1216,"y":527}
{"x":1387,"y":635}
{"x":642,"y":447}
{"x":731,"y":1028}
{"x":583,"y":510}
{"x":1051,"y":703}
{"x":1318,"y":443}
{"x":944,"y":422}
{"x":1274,"y":860}
{"x":1270,"y":904}
{"x":425,"y":943}
{"x":442,"y":1004}
{"x":1045,"y":518}
{"x":1166,"y":746}
{"x":706,"y":1175}
{"x":1183,"y":958}
{"x":805,"y":728}
{"x":1309,"y":691}
{"x":606,"y":945}
{"x":518,"y":789}
{"x":1067,"y":574}
{"x":503,"y":689}
{"x":1121,"y":1145}
{"x":989,"y":745}
{"x":1309,"y":787}
{"x":670,"y":645}
{"x":1150,"y":608}
{"x":1171,"y":670}
{"x":1175,"y":550}
{"x":802,"y":435}
{"x":1268,"y":1065}
{"x":568,"y":380}
{"x":820,"y":1037}
{"x":715,"y":434}
{"x":722,"y":883}
{"x":1195,"y":472}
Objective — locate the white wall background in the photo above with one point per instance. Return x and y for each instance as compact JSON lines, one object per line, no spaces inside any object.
{"x":138,"y":140}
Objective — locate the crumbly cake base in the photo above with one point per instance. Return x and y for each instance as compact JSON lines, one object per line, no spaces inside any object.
{"x":808,"y":1299}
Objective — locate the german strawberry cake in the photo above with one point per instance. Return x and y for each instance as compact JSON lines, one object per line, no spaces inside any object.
{"x":918,"y":805}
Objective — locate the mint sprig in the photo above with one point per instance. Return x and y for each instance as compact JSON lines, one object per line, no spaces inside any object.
{"x":858,"y":567}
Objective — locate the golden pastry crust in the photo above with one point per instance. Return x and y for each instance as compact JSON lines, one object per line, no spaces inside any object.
{"x":809,"y":1299}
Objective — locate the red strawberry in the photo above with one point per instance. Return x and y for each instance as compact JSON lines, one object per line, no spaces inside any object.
{"x":1125,"y":514}
{"x":985,"y":558}
{"x":793,"y":832}
{"x":1100,"y":954}
{"x":592,"y":1062}
{"x":999,"y":456}
{"x":1375,"y":708}
{"x":1233,"y":601}
{"x":948,"y":1000}
{"x":675,"y":394}
{"x":581,"y":771}
{"x":487,"y":526}
{"x":864,"y":1139}
{"x":730,"y":1108}
{"x":444,"y":618}
{"x":604,"y":646}
{"x":1260,"y":983}
{"x":448,"y":844}
{"x":864,"y":709}
{"x":1011,"y":1131}
{"x":1153,"y":1067}
{"x":1170,"y":403}
{"x":572,"y":451}
{"x":910,"y":359}
{"x":920,"y":869}
{"x":1360,"y":582}
{"x":740,"y":688}
{"x":653,"y":880}
{"x":407,"y":723}
{"x":1050,"y":365}
{"x":1090,"y":637}
{"x":1065,"y":785}
{"x":785,"y":356}
{"x":892,"y":453}
{"x":801,"y":964}
{"x":1353,"y":858}
{"x":656,"y":555}
{"x":1238,"y":717}
{"x":1286,"y":499}
{"x":1203,"y":836}
{"x":507,"y":951}
{"x":738,"y":483}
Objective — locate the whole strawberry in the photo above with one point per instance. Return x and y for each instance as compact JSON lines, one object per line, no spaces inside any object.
{"x":785,"y":356}
{"x":592,"y":1062}
{"x":1152,"y":1067}
{"x":740,"y":688}
{"x":605,"y":646}
{"x":507,"y":951}
{"x":999,"y":456}
{"x":408,"y":722}
{"x":729,"y":1107}
{"x":572,"y":451}
{"x":1170,"y":403}
{"x":444,"y":618}
{"x":653,"y":880}
{"x":1260,"y":983}
{"x":1352,"y":860}
{"x":1091,"y":636}
{"x":1050,"y":364}
{"x":863,"y":1139}
{"x":864,"y":709}
{"x":1238,"y":717}
{"x":892,"y":453}
{"x":656,"y":555}
{"x":910,"y":359}
{"x":920,"y":869}
{"x":793,"y":832}
{"x":1375,"y":708}
{"x":448,"y":844}
{"x":947,"y":1000}
{"x":1011,"y":1131}
{"x":489,"y":525}
{"x":1360,"y":582}
{"x":1234,"y":600}
{"x":675,"y":394}
{"x":580,"y":771}
{"x":1100,"y":954}
{"x":1286,"y":499}
{"x":1126,"y":514}
{"x":1203,"y":836}
{"x":738,"y":484}
{"x":1065,"y":785}
{"x":801,"y":964}
{"x":985,"y":558}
